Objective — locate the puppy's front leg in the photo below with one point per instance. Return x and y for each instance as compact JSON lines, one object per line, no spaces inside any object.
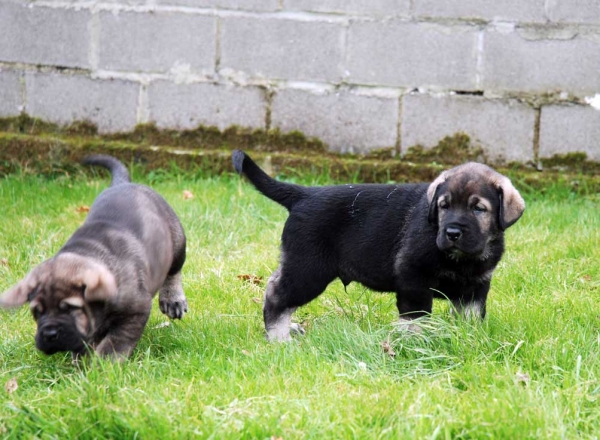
{"x":171,"y":299}
{"x":123,"y":336}
{"x":472,"y":305}
{"x":413,"y":303}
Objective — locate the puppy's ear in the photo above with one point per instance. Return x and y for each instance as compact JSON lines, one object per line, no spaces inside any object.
{"x":100,"y":284}
{"x":432,"y":197}
{"x":512,"y":204}
{"x":18,"y":294}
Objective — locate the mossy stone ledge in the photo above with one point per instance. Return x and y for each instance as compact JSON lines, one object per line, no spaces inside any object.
{"x":37,"y":146}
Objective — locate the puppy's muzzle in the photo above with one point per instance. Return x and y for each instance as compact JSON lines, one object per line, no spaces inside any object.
{"x":456,"y":240}
{"x":50,"y":334}
{"x":453,"y":233}
{"x":53,"y":337}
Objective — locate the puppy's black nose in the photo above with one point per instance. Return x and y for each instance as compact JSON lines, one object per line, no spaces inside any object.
{"x":50,"y":334}
{"x":453,"y":234}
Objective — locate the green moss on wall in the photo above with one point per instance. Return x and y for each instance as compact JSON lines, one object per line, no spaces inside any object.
{"x":30,"y":144}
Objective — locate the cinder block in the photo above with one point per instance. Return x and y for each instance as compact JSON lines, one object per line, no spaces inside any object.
{"x":186,"y":106}
{"x":157,"y":41}
{"x":574,"y":11}
{"x":396,"y":53}
{"x":246,"y":5}
{"x":39,"y":35}
{"x":62,"y":99}
{"x":512,"y":62}
{"x":500,"y":10}
{"x":123,"y":2}
{"x":504,"y":129}
{"x":265,"y":47}
{"x":363,"y":7}
{"x":345,"y":121}
{"x":570,"y":129}
{"x":11,"y":102}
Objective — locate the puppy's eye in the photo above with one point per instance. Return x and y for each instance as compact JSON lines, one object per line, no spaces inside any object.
{"x":444,"y":204}
{"x":67,"y":307}
{"x":37,"y":312}
{"x":479,"y":208}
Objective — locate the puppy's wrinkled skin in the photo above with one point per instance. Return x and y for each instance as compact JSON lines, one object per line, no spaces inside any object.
{"x":420,"y":241}
{"x":97,"y":290}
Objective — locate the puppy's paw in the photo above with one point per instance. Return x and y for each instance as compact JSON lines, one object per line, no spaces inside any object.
{"x":408,"y":326}
{"x":174,"y":309}
{"x":472,"y":311}
{"x":278,"y":337}
{"x":297,"y":329}
{"x":280,"y":334}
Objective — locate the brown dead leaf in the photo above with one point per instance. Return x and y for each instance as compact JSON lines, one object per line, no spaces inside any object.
{"x":11,"y":386}
{"x":522,"y":378}
{"x":246,"y":352}
{"x":187,"y":195}
{"x":257,"y":300}
{"x":4,"y":262}
{"x":387,"y":348}
{"x":250,"y":279}
{"x":83,"y":208}
{"x":586,"y":278}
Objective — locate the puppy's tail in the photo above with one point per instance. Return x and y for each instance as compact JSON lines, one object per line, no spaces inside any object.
{"x":119,"y":172}
{"x":286,"y":194}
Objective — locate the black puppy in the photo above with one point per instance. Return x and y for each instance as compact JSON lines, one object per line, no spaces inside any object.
{"x":421,"y":241}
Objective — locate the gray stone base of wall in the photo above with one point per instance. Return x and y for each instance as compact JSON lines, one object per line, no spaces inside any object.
{"x":346,"y":119}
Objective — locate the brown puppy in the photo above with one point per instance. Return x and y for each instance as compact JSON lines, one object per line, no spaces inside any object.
{"x":420,"y":241}
{"x":97,"y":290}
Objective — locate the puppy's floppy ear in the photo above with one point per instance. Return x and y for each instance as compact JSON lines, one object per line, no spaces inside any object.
{"x":99,"y":282}
{"x":432,"y":197}
{"x":512,"y":204}
{"x":18,"y":294}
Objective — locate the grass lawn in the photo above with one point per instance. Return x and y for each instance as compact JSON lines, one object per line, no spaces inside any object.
{"x":531,"y":370}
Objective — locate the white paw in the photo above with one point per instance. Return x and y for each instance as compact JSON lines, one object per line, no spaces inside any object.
{"x":408,"y":326}
{"x":297,"y":329}
{"x":280,"y":334}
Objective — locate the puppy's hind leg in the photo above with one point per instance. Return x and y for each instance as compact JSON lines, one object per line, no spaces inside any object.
{"x":171,"y":299}
{"x":284,"y":294}
{"x":277,"y":318}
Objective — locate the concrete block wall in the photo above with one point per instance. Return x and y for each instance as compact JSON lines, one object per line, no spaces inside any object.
{"x":516,"y":75}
